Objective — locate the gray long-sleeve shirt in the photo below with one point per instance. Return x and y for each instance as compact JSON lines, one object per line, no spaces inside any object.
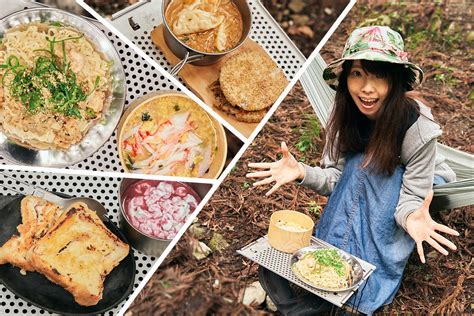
{"x":419,"y":157}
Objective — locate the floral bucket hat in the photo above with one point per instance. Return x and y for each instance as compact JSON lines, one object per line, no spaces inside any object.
{"x":376,"y":43}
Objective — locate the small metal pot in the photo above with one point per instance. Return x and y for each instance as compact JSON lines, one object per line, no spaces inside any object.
{"x":148,"y":245}
{"x":189,"y":55}
{"x":220,"y":155}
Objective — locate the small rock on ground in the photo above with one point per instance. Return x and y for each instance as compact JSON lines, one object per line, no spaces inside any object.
{"x":254,"y":294}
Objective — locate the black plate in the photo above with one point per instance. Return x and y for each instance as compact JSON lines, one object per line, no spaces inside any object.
{"x":39,"y":291}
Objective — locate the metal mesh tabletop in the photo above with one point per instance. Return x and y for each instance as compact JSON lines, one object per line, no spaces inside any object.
{"x":278,"y":262}
{"x":103,"y":189}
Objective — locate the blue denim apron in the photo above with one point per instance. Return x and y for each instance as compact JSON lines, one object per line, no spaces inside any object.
{"x":359,"y":218}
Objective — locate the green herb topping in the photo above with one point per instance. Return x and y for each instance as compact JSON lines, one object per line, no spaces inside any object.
{"x":146,"y":116}
{"x":55,"y":23}
{"x":129,"y":162}
{"x":328,"y":258}
{"x":90,"y":113}
{"x":50,"y":85}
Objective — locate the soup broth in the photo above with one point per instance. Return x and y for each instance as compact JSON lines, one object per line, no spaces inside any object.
{"x":210,"y":26}
{"x":169,"y":135}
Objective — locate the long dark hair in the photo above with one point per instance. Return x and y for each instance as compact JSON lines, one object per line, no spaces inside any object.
{"x":350,"y":131}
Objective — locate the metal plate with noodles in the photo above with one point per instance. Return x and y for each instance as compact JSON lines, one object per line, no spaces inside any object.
{"x":311,"y":277}
{"x":60,"y":123}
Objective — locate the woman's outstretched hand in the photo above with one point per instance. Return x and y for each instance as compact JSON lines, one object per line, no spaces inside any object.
{"x":422,"y":227}
{"x":285,"y":170}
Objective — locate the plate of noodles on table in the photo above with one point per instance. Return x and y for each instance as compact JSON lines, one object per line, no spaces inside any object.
{"x":62,"y":88}
{"x":327,"y":269}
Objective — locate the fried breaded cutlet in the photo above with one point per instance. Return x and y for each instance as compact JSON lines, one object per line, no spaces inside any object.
{"x":251,"y":81}
{"x":240,"y":114}
{"x":78,"y":252}
{"x":38,"y":216}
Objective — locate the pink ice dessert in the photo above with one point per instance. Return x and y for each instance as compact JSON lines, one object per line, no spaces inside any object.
{"x":159,"y":208}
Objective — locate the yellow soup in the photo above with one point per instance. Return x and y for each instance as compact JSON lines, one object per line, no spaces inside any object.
{"x":169,"y":135}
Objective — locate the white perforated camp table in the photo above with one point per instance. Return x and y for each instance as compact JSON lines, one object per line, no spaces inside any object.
{"x":278,"y":262}
{"x":103,"y":189}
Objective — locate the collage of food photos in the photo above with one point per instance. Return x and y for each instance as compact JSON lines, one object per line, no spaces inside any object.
{"x":236,"y":157}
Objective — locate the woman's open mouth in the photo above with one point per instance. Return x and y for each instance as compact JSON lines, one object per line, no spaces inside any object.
{"x":368,"y":103}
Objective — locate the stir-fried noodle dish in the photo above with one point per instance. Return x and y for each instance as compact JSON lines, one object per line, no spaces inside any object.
{"x":54,"y":85}
{"x":324,"y":268}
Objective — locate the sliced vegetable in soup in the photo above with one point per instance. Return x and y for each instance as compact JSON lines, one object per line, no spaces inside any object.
{"x":169,"y":135}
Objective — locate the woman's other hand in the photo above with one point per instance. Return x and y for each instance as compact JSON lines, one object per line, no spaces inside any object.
{"x":422,"y":227}
{"x":283,"y":171}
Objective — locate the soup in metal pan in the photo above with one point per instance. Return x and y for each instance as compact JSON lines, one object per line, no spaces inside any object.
{"x":209,"y":26}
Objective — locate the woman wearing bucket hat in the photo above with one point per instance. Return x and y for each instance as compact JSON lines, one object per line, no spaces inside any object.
{"x":380,"y":164}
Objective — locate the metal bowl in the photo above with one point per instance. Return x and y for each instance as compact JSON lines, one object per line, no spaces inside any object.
{"x":357,"y":273}
{"x":217,"y":165}
{"x":100,"y":132}
{"x":148,"y":244}
{"x":190,"y":55}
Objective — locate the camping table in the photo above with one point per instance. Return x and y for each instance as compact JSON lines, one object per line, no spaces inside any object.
{"x":278,"y":262}
{"x":103,"y":189}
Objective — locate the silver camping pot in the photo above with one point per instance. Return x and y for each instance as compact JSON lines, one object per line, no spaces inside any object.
{"x":188,"y":55}
{"x":147,"y":244}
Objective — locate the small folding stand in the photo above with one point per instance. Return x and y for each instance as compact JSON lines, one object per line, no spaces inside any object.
{"x":278,"y":262}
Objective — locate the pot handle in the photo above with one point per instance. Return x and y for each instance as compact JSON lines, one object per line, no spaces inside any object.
{"x":187,"y":59}
{"x":31,"y":190}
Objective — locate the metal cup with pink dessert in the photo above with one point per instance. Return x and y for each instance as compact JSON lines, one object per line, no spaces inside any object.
{"x":153,"y":211}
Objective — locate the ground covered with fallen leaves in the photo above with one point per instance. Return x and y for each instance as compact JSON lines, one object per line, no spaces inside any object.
{"x":441,"y":43}
{"x":305,"y":21}
{"x":106,"y":7}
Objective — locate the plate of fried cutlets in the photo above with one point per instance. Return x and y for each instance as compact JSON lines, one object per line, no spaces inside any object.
{"x":66,"y":261}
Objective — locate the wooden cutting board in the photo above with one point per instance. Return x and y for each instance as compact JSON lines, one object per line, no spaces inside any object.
{"x":199,"y":78}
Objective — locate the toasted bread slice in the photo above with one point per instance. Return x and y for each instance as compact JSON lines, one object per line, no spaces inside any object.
{"x":78,"y":253}
{"x":38,"y":216}
{"x":8,"y":248}
{"x":251,"y":80}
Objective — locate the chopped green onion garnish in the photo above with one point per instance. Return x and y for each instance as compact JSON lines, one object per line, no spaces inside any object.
{"x":146,"y":116}
{"x":50,"y":85}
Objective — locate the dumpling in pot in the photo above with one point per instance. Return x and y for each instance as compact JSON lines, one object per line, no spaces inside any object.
{"x":195,"y":20}
{"x":221,"y":38}
{"x":210,"y":5}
